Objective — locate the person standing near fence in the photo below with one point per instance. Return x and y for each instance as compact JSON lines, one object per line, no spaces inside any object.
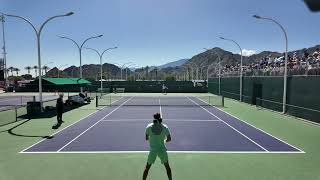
{"x":60,"y":107}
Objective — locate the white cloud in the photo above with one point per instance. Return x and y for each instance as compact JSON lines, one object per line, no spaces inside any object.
{"x":246,"y":52}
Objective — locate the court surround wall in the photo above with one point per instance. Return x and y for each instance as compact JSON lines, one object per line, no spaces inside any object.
{"x":303,"y":93}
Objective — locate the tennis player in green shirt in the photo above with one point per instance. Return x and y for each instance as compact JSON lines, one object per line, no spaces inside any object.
{"x":157,"y":134}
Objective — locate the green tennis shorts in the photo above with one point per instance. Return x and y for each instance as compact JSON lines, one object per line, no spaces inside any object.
{"x":162,"y":154}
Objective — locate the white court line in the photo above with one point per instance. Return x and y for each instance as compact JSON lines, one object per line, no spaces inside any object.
{"x":172,"y":152}
{"x":160,"y":109}
{"x":93,"y":125}
{"x":9,"y":100}
{"x":63,"y":129}
{"x":257,"y":128}
{"x":167,"y":120}
{"x":56,"y":132}
{"x":229,"y":125}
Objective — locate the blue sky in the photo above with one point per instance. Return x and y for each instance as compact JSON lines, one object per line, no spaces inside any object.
{"x":153,"y":32}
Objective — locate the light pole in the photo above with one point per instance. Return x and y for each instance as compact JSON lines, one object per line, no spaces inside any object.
{"x":134,"y":72}
{"x":38,"y":34}
{"x":2,"y":19}
{"x":219,"y":66}
{"x":129,"y":69}
{"x":202,"y":74}
{"x":240,"y":63}
{"x":100,"y":56}
{"x":197,"y":69}
{"x":284,"y":98}
{"x":80,"y":49}
{"x":187,"y":72}
{"x":192,"y":72}
{"x":123,"y":65}
{"x":60,"y":68}
{"x":46,"y":65}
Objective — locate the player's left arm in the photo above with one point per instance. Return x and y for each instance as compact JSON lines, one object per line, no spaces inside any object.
{"x":168,"y":139}
{"x":147,"y":134}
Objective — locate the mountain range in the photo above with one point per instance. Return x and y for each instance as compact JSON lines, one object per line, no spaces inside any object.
{"x":211,"y":56}
{"x":173,"y":64}
{"x":204,"y":59}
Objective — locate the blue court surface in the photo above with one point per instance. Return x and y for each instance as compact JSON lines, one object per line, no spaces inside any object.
{"x":195,"y":128}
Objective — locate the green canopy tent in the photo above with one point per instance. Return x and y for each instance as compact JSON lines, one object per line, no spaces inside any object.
{"x":60,"y":84}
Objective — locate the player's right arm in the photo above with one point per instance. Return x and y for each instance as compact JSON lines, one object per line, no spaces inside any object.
{"x":167,"y":132}
{"x":168,"y":138}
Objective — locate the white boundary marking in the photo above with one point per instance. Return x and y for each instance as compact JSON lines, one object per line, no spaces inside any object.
{"x":258,"y":129}
{"x":64,"y":128}
{"x":230,"y":126}
{"x":93,"y":125}
{"x":5,"y":100}
{"x":173,"y":152}
{"x":167,"y":120}
{"x":160,"y":108}
{"x":57,"y":132}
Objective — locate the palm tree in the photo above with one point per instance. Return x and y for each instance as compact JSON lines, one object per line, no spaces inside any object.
{"x":11,"y":69}
{"x":45,"y":68}
{"x":28,"y":68}
{"x":35,"y":70}
{"x":17,"y":71}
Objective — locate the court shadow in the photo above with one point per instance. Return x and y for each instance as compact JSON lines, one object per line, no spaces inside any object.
{"x":11,"y":131}
{"x":49,"y":112}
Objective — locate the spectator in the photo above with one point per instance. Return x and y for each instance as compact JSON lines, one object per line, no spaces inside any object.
{"x":298,"y":64}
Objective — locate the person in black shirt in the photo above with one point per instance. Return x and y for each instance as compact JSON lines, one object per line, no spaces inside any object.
{"x":59,"y":107}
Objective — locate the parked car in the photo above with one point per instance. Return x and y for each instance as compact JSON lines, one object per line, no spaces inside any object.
{"x":78,"y":99}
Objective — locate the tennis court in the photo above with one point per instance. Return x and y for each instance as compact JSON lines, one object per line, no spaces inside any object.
{"x":21,"y":100}
{"x":210,"y":141}
{"x":196,"y":124}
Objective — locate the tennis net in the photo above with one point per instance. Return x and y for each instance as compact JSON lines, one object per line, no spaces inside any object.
{"x":10,"y":114}
{"x":112,"y":100}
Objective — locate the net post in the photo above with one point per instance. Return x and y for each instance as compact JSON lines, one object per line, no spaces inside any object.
{"x":222,"y":99}
{"x":110,"y":100}
{"x":258,"y":102}
{"x":16,"y":113}
{"x":96,"y":101}
{"x":34,"y":98}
